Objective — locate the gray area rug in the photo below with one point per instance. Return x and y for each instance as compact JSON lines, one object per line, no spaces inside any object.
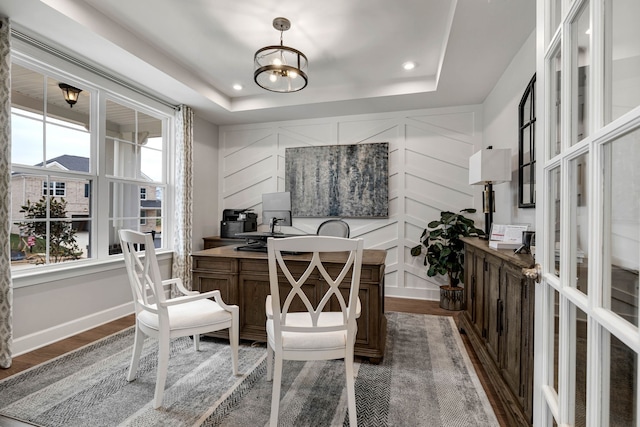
{"x":425,"y":379}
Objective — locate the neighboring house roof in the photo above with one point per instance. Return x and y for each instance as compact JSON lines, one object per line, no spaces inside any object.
{"x":73,"y":163}
{"x":69,"y":162}
{"x":151,"y":203}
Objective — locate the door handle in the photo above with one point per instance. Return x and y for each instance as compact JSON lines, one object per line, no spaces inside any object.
{"x":534,"y":273}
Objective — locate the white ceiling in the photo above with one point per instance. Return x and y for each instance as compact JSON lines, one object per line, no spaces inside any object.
{"x":194,"y":51}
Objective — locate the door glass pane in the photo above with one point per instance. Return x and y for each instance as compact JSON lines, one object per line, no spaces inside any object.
{"x":622,"y":57}
{"x":556,"y":335}
{"x":579,"y":223}
{"x":621,"y":194}
{"x":581,"y":60}
{"x":554,"y":220}
{"x":555,"y":124}
{"x":621,"y":382}
{"x":581,"y":368}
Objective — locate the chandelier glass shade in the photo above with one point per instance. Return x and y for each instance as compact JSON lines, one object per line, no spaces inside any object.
{"x":280,"y":68}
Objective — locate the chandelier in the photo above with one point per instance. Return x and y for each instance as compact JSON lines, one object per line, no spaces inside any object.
{"x":280,"y":68}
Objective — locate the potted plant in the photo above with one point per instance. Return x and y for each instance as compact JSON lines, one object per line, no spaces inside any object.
{"x":445,"y":253}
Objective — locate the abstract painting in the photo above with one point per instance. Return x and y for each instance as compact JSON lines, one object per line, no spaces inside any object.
{"x":347,"y":181}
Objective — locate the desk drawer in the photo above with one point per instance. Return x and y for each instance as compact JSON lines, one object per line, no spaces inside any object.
{"x":219,"y":265}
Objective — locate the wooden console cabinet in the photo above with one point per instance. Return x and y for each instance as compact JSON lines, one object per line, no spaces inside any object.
{"x":499,"y":322}
{"x":243,"y":279}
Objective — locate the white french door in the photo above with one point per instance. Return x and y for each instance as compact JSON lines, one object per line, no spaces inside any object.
{"x":587,"y":213}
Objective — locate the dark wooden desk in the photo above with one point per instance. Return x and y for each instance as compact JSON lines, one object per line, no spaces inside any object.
{"x":217,"y":241}
{"x":243,"y":279}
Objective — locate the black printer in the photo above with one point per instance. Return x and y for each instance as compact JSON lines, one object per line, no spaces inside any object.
{"x":237,"y":221}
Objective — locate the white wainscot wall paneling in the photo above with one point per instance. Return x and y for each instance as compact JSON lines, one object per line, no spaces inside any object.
{"x":429,"y":153}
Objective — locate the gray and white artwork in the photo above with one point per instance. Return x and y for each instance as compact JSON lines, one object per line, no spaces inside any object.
{"x":347,"y":181}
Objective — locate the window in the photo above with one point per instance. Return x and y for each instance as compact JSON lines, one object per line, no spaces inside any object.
{"x":526,"y":148}
{"x":55,"y":189}
{"x":65,"y":208}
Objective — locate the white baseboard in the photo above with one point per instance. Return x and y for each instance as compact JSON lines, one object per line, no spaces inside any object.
{"x":59,"y":332}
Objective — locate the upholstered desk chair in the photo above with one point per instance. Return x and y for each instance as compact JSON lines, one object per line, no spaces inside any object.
{"x":162,"y":318}
{"x":333,"y":227}
{"x":325,"y":329}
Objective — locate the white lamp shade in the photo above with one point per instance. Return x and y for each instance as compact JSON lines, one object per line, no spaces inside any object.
{"x":490,"y":165}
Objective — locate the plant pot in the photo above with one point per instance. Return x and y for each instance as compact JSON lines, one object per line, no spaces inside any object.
{"x":452,"y":298}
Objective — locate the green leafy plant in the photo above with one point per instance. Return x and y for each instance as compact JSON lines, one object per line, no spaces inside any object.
{"x":62,"y":236}
{"x":444,"y":247}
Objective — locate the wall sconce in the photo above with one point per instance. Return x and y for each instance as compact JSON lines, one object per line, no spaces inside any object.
{"x":488,"y":167}
{"x":70,"y":93}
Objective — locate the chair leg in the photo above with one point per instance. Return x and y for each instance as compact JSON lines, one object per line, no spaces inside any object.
{"x":196,"y":342}
{"x":234,"y":339}
{"x":163,"y":364}
{"x":351,"y":392}
{"x":275,"y":393}
{"x":269,"y":361}
{"x":138,"y":343}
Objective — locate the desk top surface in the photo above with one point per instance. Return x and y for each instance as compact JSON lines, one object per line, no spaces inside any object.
{"x":369,"y":256}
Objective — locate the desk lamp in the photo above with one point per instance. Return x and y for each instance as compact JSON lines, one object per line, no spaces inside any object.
{"x":488,"y":167}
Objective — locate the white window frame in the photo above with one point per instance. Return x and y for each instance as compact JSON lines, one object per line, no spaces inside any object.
{"x":100,"y":87}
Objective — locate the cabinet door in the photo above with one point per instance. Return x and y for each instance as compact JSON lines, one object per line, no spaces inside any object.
{"x":469,"y":282}
{"x":513,"y":352}
{"x":227,"y":284}
{"x":478,"y":311}
{"x":494,"y":306}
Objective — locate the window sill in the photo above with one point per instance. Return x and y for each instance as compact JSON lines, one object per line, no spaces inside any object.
{"x":45,"y":274}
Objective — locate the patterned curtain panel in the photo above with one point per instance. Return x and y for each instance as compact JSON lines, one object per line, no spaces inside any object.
{"x":184,"y":195}
{"x":6,"y":293}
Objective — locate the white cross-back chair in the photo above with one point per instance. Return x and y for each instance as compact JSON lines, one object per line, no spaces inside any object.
{"x":162,"y":318}
{"x":324,"y":331}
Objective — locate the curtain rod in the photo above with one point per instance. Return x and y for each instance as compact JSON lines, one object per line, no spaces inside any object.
{"x":95,"y":70}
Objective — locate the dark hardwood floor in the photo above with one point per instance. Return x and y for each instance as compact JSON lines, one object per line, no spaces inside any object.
{"x":28,"y":360}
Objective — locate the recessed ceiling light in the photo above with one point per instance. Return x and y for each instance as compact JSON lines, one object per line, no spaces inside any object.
{"x":237,"y":86}
{"x":409,"y":65}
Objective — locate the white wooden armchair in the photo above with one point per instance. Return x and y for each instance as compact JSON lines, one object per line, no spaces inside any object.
{"x":193,"y":313}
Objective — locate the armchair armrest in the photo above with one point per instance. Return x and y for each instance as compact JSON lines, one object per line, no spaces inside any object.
{"x":195,"y":295}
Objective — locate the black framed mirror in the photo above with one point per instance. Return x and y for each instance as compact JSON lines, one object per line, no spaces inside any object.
{"x":526,"y":147}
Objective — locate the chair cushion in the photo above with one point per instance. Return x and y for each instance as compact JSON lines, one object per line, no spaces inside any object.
{"x":302,"y":341}
{"x":193,"y":314}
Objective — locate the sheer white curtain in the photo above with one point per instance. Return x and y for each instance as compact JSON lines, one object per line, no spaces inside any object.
{"x":6,"y":293}
{"x":184,"y":195}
